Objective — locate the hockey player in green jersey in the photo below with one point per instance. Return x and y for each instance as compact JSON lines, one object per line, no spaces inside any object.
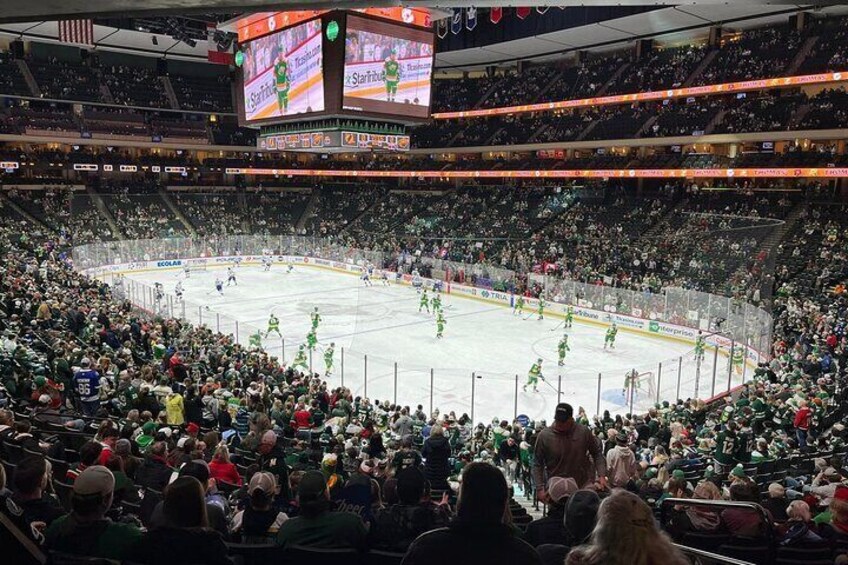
{"x":541,"y":310}
{"x":700,"y":346}
{"x":534,"y":375}
{"x":738,"y":359}
{"x":391,"y":71}
{"x":256,"y":339}
{"x":631,"y":381}
{"x":519,"y":305}
{"x":436,"y":302}
{"x":569,"y":316}
{"x":328,"y":359}
{"x":562,"y":348}
{"x":424,"y":302}
{"x":311,"y":340}
{"x":316,"y":319}
{"x":609,"y":339}
{"x":281,"y":82}
{"x":300,"y":359}
{"x":273,"y":326}
{"x":440,"y":324}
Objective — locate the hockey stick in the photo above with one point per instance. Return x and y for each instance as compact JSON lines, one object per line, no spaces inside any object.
{"x":530,"y":315}
{"x":555,"y":328}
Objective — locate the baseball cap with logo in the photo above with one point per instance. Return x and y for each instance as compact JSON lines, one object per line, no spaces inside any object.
{"x":94,"y":480}
{"x":264,"y":482}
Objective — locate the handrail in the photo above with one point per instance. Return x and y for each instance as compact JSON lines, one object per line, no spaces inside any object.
{"x":709,"y":558}
{"x":721,"y":505}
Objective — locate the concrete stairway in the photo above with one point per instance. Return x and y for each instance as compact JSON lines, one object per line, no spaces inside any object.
{"x":175,"y":210}
{"x":105,"y":212}
{"x":169,"y":91}
{"x":29,"y":78}
{"x":308,"y":211}
{"x":7,"y":202}
{"x":700,"y":68}
{"x":801,"y":55}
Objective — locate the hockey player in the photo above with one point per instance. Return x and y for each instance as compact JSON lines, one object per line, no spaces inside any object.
{"x":534,"y":375}
{"x":569,"y":316}
{"x":436,"y":302}
{"x":631,"y":381}
{"x":273,"y":326}
{"x":328,"y":359}
{"x":562,"y":348}
{"x":541,"y":310}
{"x":700,"y":346}
{"x":316,"y":319}
{"x":289,"y":266}
{"x":178,"y":290}
{"x":424,"y":302}
{"x":231,"y":277}
{"x":365,"y":278}
{"x":300,"y":359}
{"x":158,"y":291}
{"x":417,"y":282}
{"x":384,"y":276}
{"x":311,"y":340}
{"x":519,"y":305}
{"x":255,"y":340}
{"x":266,"y":263}
{"x":219,"y":285}
{"x":609,"y":339}
{"x":738,"y":359}
{"x":187,"y":271}
{"x":440,"y":324}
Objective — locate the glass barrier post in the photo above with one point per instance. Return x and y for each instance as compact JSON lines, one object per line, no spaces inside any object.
{"x":395,"y":385}
{"x":431,"y":391}
{"x":218,"y":322}
{"x":559,"y":388}
{"x":473,"y":385}
{"x":598,"y":407}
{"x":730,"y":365}
{"x":342,"y":365}
{"x":515,"y":400}
{"x":715,"y":370}
{"x":365,"y":376}
{"x":679,"y":373}
{"x":659,"y":381}
{"x":237,"y":333}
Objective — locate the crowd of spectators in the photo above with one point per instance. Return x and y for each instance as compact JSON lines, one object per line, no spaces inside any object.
{"x":191,"y":442}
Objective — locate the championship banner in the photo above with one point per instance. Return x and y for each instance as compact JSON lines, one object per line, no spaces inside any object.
{"x":456,"y":21}
{"x":542,"y":9}
{"x":471,"y":19}
{"x":724,"y":88}
{"x":442,"y":28}
{"x":522,"y":12}
{"x":300,"y":66}
{"x":495,"y":15}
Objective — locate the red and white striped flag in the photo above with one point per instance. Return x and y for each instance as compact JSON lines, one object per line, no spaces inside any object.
{"x":80,"y":32}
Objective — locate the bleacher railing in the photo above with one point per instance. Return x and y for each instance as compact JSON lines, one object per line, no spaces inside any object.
{"x":483,"y":394}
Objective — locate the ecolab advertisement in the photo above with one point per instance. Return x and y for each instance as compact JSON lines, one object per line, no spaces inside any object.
{"x":284,"y":74}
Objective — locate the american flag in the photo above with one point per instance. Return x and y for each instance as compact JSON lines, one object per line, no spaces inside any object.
{"x":80,"y":32}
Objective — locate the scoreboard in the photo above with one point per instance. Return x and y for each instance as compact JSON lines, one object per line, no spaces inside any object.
{"x":335,"y":63}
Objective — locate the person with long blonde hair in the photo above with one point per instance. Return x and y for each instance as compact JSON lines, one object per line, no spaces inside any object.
{"x":626,"y":534}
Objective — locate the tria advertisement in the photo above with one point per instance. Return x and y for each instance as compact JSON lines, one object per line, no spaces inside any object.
{"x":283,"y":73}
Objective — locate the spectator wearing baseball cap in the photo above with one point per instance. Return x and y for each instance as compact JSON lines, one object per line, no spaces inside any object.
{"x":564,"y":450}
{"x":184,"y":535}
{"x":551,"y":529}
{"x":259,"y":522}
{"x":86,"y":530}
{"x":317,"y":526}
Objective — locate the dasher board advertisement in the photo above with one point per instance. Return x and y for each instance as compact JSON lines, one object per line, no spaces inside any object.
{"x":388,"y":68}
{"x":284,"y":73}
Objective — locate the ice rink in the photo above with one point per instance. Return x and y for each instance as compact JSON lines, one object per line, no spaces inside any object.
{"x":484,"y":346}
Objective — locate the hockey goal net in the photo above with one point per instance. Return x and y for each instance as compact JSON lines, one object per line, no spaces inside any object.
{"x":191,"y":267}
{"x":643,"y":389}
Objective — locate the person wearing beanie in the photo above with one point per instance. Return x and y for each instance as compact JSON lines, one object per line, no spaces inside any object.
{"x":86,"y":530}
{"x":317,"y":526}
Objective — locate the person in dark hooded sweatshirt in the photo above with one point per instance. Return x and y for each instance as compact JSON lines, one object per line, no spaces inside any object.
{"x":564,"y":450}
{"x":581,"y":514}
{"x":436,"y":453}
{"x":479,"y":533}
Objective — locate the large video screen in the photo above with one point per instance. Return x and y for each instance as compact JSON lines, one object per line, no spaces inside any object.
{"x":388,"y":68}
{"x":283,"y":73}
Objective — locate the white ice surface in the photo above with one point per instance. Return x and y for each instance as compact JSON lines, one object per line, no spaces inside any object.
{"x":486,"y":340}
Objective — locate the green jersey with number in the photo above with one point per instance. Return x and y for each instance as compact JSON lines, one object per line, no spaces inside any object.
{"x":392,"y":70}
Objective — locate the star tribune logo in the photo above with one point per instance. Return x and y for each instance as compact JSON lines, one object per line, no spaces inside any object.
{"x":407,"y":16}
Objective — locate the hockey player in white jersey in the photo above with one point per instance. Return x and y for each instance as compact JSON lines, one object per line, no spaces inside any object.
{"x":266,"y":264}
{"x":178,"y":290}
{"x":231,"y":277}
{"x":365,"y":277}
{"x":219,"y":285}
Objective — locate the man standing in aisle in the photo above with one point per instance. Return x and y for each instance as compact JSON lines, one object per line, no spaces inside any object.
{"x":568,"y":449}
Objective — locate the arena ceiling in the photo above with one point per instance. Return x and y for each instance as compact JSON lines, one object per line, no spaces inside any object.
{"x":19,"y":10}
